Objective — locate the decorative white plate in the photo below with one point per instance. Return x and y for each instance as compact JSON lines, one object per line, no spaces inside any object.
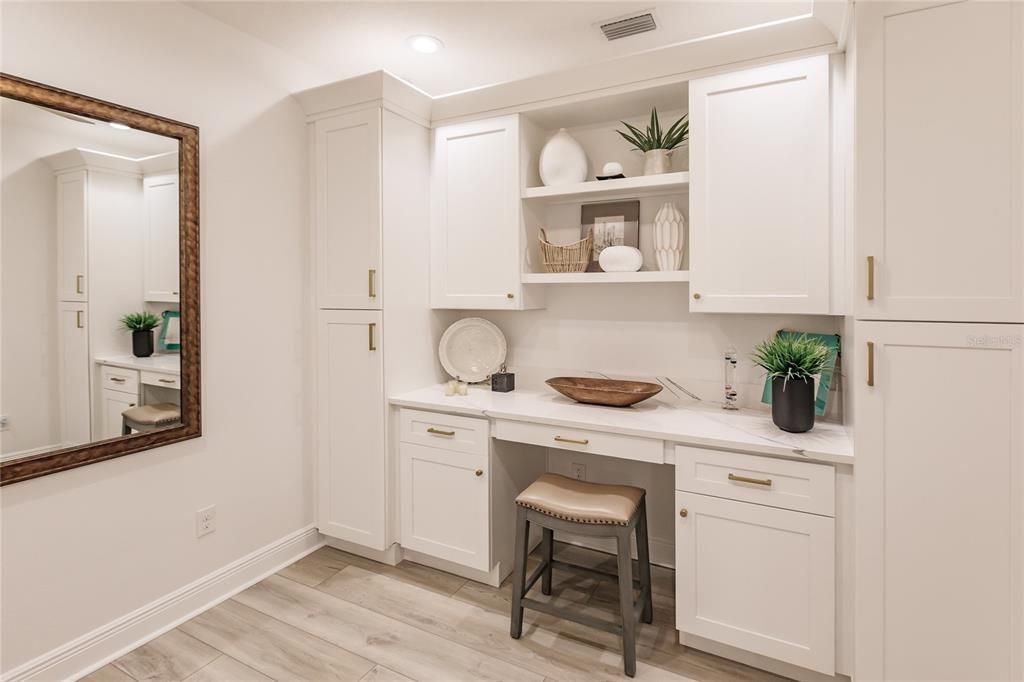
{"x":472,"y":349}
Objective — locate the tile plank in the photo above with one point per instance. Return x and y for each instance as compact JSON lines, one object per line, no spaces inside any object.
{"x":108,"y":673}
{"x":382,"y":674}
{"x":173,"y":655}
{"x":412,"y":573}
{"x":316,"y":567}
{"x":227,"y":669}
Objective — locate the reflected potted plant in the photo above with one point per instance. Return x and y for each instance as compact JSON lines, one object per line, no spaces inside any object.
{"x":141,"y":325}
{"x":792,"y":362}
{"x":657,"y":144}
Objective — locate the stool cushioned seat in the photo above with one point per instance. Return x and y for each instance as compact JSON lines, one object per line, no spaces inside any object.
{"x":156,"y":415}
{"x":581,"y":502}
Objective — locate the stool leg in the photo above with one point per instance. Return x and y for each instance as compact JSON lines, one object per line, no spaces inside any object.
{"x":625,"y":561}
{"x":519,"y":571}
{"x":643,"y":555}
{"x":549,"y":549}
{"x":125,"y":429}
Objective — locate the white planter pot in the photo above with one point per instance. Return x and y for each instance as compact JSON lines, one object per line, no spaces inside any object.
{"x":620,"y":259}
{"x":669,"y":237}
{"x":562,"y":161}
{"x":657,"y":161}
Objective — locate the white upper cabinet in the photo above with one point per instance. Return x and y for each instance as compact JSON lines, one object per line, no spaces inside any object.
{"x":476,"y":234}
{"x":347,"y":210}
{"x":72,"y":232}
{"x":760,"y":221}
{"x":161,"y":250}
{"x":940,"y":139}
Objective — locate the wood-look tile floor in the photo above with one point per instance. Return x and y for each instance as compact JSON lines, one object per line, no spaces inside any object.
{"x":337,"y":616}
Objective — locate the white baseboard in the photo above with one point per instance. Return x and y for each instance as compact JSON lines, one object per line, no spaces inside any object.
{"x":758,"y":661}
{"x":390,"y":556}
{"x":108,"y":642}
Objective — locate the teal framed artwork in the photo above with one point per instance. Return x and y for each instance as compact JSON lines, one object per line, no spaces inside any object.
{"x":170,"y":331}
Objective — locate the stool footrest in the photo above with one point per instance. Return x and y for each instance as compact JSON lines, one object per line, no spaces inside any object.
{"x":581,"y":618}
{"x":586,"y":570}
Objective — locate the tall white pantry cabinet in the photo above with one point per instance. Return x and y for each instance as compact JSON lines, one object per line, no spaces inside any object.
{"x":368,"y":150}
{"x":939,"y":302}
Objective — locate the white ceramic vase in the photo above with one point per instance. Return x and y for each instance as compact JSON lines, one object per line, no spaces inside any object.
{"x":562,"y":161}
{"x":669,"y":237}
{"x":657,"y":161}
{"x":620,"y":259}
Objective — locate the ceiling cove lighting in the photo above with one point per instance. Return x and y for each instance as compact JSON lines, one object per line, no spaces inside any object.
{"x":425,"y":44}
{"x":119,"y":126}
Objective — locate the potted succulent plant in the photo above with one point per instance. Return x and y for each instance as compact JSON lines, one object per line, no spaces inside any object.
{"x":657,"y":144}
{"x":141,"y":325}
{"x":792,"y":362}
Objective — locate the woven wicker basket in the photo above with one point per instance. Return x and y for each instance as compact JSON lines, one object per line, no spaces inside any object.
{"x":568,"y":258}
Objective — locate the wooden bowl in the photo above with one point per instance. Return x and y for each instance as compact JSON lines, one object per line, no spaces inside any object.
{"x":610,"y":392}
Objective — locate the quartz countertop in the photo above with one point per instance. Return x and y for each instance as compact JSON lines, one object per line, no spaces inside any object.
{"x":744,"y":430}
{"x":168,"y":363}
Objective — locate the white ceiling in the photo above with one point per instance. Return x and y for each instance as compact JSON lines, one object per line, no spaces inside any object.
{"x":484,"y":42}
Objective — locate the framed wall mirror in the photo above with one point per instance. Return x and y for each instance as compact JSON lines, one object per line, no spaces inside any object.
{"x":99,"y":280}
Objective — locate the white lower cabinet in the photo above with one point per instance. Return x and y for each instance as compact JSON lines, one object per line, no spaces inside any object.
{"x":351,"y":456}
{"x":73,"y":373}
{"x":114,"y":404}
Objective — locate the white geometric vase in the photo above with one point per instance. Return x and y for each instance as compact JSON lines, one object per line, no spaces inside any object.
{"x":669,"y":237}
{"x":562,"y":161}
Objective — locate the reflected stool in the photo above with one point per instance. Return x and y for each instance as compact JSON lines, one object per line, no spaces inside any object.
{"x":150,"y":417}
{"x":564,"y":504}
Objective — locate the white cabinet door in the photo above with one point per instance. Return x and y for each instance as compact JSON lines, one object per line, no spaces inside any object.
{"x":940,"y":178}
{"x":757,"y":578}
{"x":74,"y":371}
{"x":347,"y":210}
{"x":940,"y":501}
{"x":72,"y":231}
{"x":476,"y":227}
{"x":759,"y":190}
{"x":445,"y":504}
{"x":161,"y":271}
{"x":352,"y":463}
{"x":114,"y":403}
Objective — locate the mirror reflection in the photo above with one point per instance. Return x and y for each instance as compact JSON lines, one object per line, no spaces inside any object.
{"x":89,"y":315}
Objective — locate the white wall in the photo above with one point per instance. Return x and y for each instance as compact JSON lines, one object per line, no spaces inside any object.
{"x":84,"y":547}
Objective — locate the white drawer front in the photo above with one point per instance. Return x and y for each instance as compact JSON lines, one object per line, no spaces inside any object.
{"x":120,"y":379}
{"x":161,"y":379}
{"x":800,"y":486}
{"x":582,"y":440}
{"x":445,"y":431}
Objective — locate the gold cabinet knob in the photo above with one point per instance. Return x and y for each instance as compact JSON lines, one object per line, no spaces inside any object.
{"x":683,"y":513}
{"x":696,"y":296}
{"x":510,"y":296}
{"x":479,"y":472}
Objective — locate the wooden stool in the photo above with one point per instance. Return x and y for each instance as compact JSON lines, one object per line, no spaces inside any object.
{"x":150,"y":417}
{"x":556,"y":502}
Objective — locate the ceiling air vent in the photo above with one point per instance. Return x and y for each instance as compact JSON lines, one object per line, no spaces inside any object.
{"x":624,"y":27}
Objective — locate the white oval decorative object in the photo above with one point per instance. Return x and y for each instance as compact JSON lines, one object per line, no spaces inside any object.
{"x":562,"y":161}
{"x":657,"y":161}
{"x":612,"y":168}
{"x":669,"y":237}
{"x":472,"y":349}
{"x":620,"y":259}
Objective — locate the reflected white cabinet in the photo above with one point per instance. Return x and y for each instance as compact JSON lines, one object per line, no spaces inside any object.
{"x":940,"y":511}
{"x":114,"y":404}
{"x":347,"y":210}
{"x":352,"y":464}
{"x":476,"y":227}
{"x":940,"y":205}
{"x":73,"y":369}
{"x":160,"y":272}
{"x":759,"y":190}
{"x":72,"y":236}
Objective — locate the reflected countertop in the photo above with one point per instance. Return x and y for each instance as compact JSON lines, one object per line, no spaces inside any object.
{"x":167,"y":363}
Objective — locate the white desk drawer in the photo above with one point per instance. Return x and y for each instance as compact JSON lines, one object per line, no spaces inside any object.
{"x":444,"y":431}
{"x":161,"y":379}
{"x":800,"y":486}
{"x":581,"y":440}
{"x":120,"y":379}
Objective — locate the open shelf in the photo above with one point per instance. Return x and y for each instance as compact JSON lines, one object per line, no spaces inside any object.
{"x":601,"y":190}
{"x":606,"y":277}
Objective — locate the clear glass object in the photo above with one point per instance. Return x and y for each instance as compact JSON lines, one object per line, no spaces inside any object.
{"x":731,"y":358}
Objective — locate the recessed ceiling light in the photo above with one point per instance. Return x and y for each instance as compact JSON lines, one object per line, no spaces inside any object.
{"x":119,"y":126}
{"x":425,"y":44}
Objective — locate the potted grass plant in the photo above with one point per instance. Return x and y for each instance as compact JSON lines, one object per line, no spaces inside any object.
{"x":141,"y":325}
{"x":792,"y":362}
{"x":657,"y":144}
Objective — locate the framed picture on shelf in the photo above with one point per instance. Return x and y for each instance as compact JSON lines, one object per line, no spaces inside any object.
{"x":614,"y":223}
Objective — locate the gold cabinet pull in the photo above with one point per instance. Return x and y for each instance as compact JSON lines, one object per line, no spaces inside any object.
{"x":372,"y":345}
{"x":371,"y":283}
{"x":479,"y":472}
{"x":871,"y":278}
{"x":683,"y":513}
{"x":871,"y":363}
{"x":166,"y":381}
{"x":117,"y":380}
{"x":439,"y":432}
{"x":767,"y":482}
{"x":80,"y":284}
{"x":80,"y":319}
{"x":581,"y":441}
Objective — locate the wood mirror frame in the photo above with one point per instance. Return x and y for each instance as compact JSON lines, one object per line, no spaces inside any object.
{"x":33,"y":466}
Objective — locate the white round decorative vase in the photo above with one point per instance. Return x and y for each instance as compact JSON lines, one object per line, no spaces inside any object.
{"x":657,"y":161}
{"x":562,"y":161}
{"x":620,"y":259}
{"x":669,"y":237}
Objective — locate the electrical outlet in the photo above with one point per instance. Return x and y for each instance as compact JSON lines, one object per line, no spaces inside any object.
{"x":206,"y":521}
{"x":4,"y":422}
{"x":579,"y":471}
